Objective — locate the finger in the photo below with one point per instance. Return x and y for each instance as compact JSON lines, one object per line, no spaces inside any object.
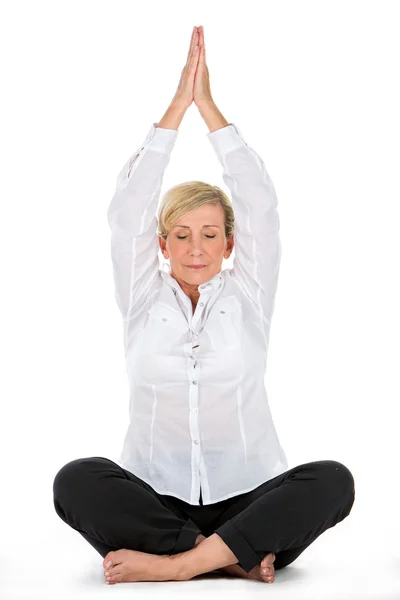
{"x":193,"y":47}
{"x":192,"y":43}
{"x":201,"y":56}
{"x":203,"y":44}
{"x":194,"y":59}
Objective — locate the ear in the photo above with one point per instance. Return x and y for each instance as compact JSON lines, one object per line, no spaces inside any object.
{"x":162,"y":244}
{"x":229,"y":245}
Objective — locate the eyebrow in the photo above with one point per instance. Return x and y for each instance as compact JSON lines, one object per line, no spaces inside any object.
{"x":187,"y":226}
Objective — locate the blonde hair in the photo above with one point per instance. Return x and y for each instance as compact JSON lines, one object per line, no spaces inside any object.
{"x":188,"y":196}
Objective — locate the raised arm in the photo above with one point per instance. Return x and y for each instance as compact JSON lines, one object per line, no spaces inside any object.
{"x":257,"y":255}
{"x":132,"y":212}
{"x":132,"y":219}
{"x":257,"y":243}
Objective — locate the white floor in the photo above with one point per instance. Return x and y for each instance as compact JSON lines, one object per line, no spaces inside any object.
{"x":347,"y":562}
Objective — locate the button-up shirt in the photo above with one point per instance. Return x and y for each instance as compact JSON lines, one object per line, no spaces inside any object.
{"x":199,"y":412}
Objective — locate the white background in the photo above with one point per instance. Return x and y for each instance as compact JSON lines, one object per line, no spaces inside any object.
{"x":314,"y":88}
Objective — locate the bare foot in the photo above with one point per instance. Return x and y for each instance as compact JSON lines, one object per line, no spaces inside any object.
{"x":132,"y":565}
{"x":257,"y":572}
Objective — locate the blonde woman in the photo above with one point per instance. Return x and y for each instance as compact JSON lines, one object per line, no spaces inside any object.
{"x":202,"y":483}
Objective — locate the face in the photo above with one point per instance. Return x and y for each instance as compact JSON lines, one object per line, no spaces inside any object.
{"x":197,"y":238}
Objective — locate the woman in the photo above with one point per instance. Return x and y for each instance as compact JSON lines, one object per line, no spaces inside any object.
{"x":202,"y":483}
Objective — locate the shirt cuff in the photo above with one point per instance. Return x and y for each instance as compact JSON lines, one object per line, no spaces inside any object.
{"x":160,"y":139}
{"x":226,"y":139}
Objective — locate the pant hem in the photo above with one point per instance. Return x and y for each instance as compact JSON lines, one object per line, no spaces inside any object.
{"x":239,"y":545}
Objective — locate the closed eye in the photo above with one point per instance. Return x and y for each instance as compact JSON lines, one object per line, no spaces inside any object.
{"x":185,"y":236}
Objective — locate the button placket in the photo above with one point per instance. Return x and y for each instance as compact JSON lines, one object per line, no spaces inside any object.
{"x":193,"y":396}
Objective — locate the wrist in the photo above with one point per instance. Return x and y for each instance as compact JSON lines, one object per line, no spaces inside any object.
{"x":212,"y":116}
{"x":173,"y":116}
{"x":178,"y":105}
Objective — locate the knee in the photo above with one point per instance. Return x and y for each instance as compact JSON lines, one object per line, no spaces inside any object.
{"x":64,"y":477}
{"x":70,"y":477}
{"x":338,"y":479}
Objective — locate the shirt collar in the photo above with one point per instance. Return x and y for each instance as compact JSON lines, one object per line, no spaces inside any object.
{"x":210,"y":285}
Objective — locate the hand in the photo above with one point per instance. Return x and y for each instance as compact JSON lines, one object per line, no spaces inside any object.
{"x":184,"y":93}
{"x":202,"y":92}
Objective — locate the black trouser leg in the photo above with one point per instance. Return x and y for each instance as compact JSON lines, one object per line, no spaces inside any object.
{"x":113,"y":509}
{"x":287,"y":513}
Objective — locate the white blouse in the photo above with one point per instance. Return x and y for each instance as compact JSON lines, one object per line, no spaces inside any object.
{"x":199,"y":412}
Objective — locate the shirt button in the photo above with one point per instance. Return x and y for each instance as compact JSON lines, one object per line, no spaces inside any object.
{"x":196,"y":441}
{"x":194,"y":410}
{"x":192,"y":357}
{"x":165,"y":319}
{"x":222,"y":312}
{"x":194,"y":382}
{"x":201,"y":303}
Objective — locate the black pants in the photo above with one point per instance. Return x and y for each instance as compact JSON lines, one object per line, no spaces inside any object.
{"x":112,"y":509}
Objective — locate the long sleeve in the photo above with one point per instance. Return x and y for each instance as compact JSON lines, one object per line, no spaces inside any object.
{"x":132,"y":218}
{"x":257,"y":242}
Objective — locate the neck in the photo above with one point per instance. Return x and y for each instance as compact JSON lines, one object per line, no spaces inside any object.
{"x":191,"y":290}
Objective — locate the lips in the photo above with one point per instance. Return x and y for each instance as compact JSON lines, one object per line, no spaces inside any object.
{"x":195,"y":266}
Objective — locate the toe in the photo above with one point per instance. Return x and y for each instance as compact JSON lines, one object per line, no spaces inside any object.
{"x":268,"y":560}
{"x":112,"y":571}
{"x":268,"y":577}
{"x":114,"y":578}
{"x":108,"y":558}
